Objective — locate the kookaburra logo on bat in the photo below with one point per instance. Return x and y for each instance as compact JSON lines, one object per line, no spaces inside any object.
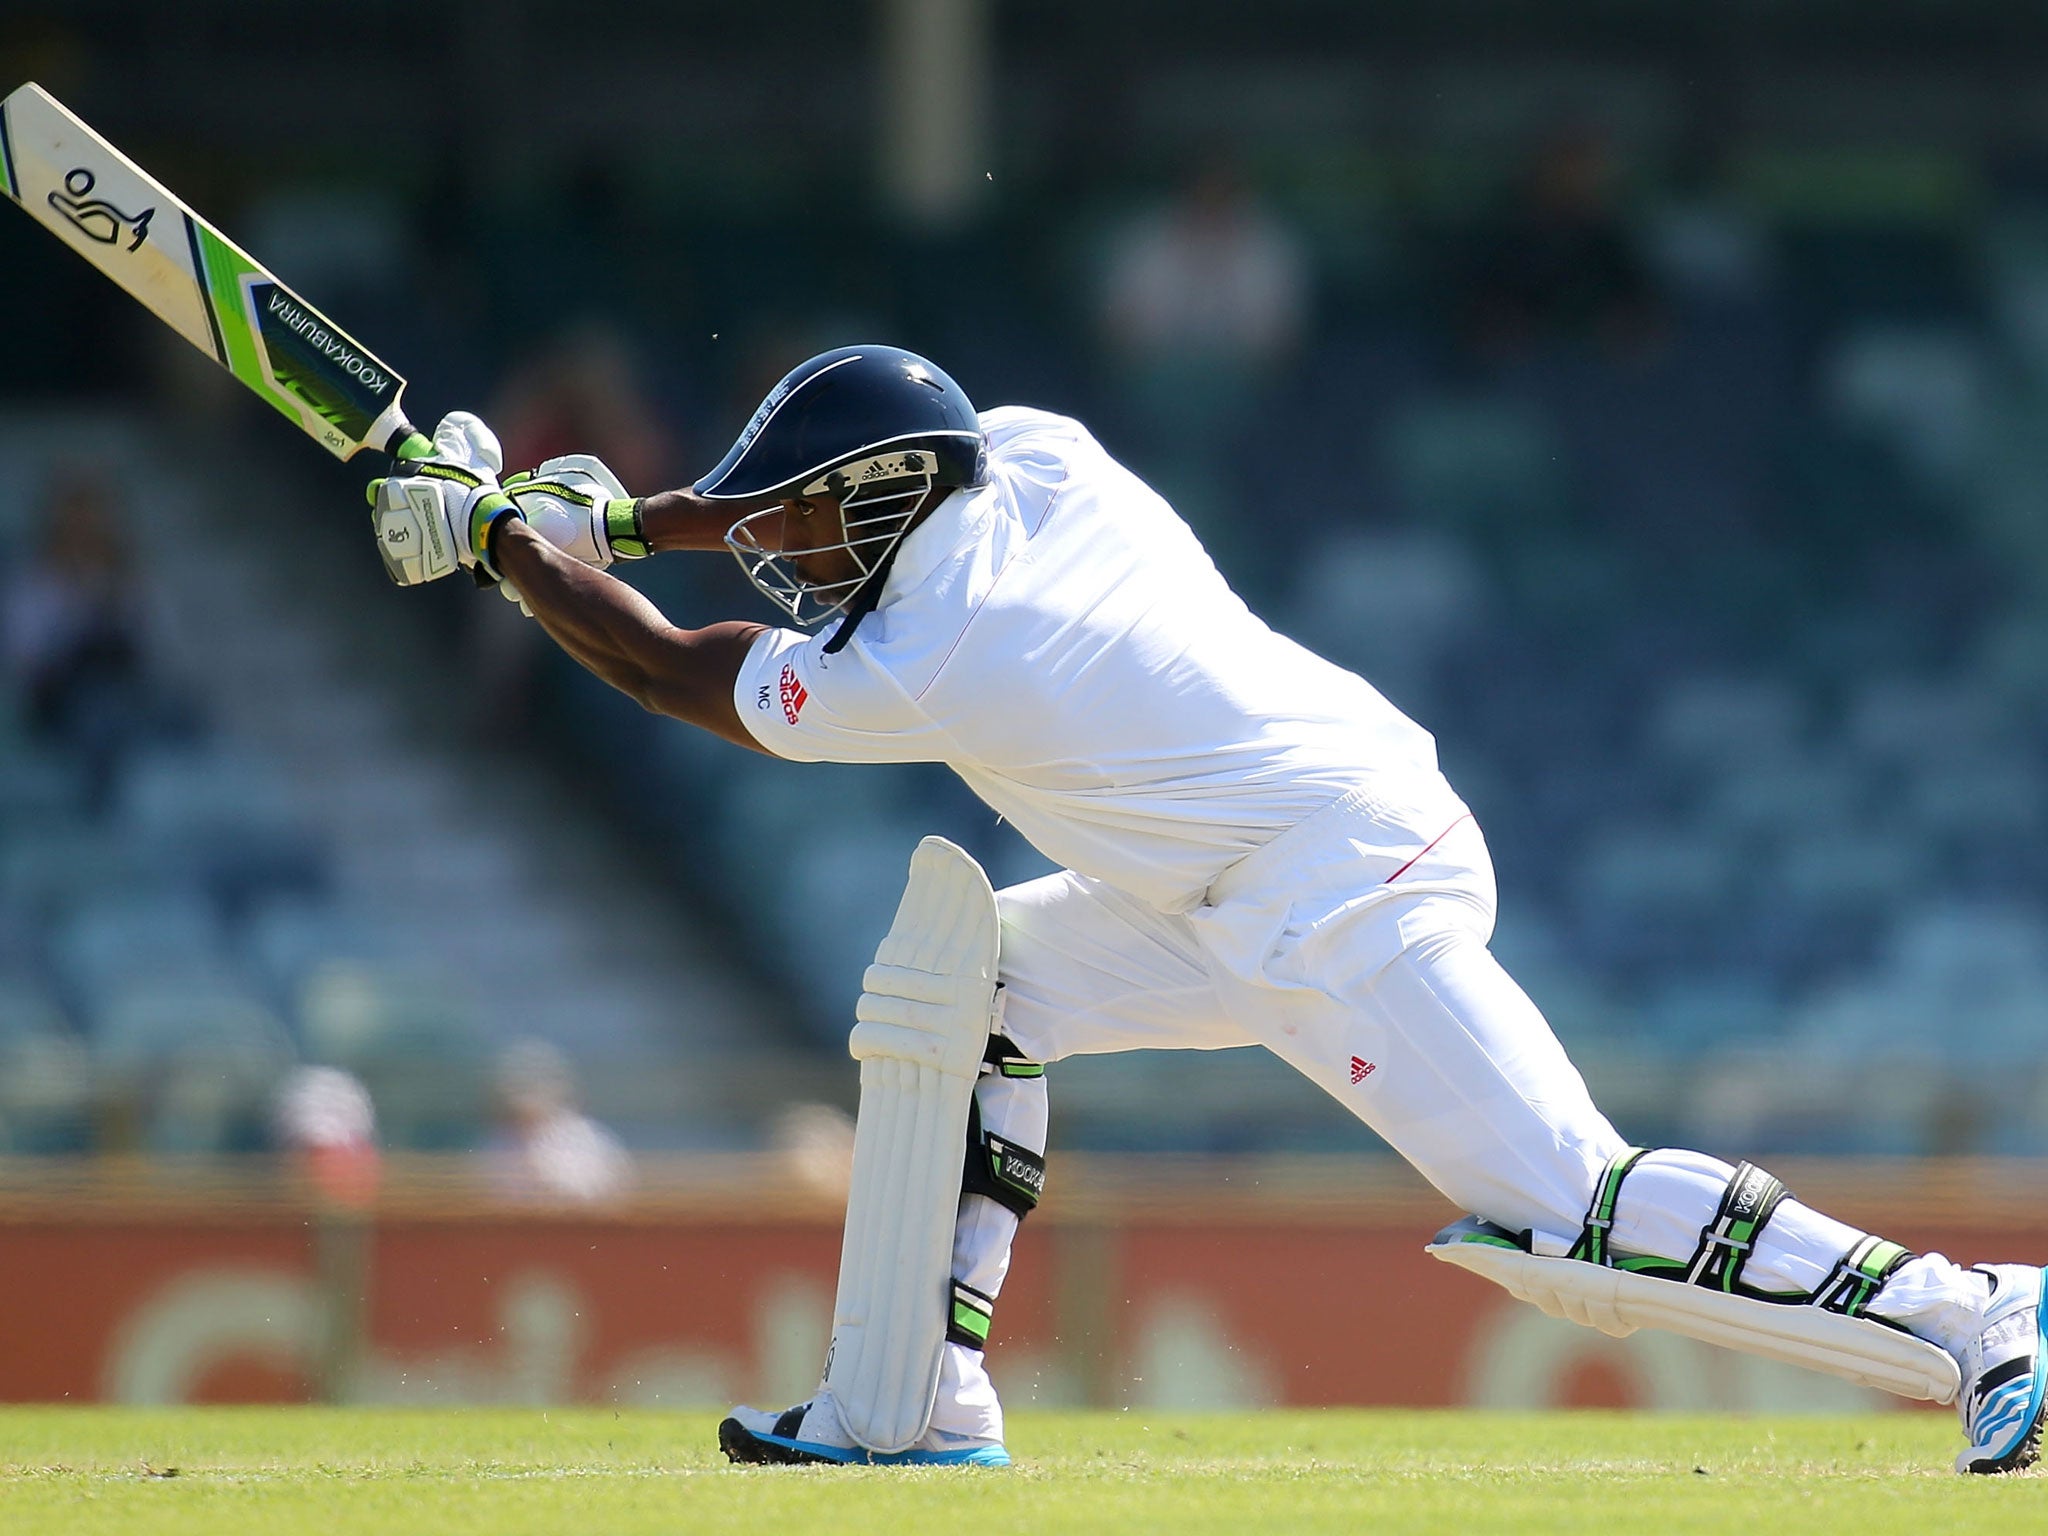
{"x":95,"y":217}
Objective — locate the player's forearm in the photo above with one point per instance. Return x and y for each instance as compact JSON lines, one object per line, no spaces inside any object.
{"x":618,"y":635}
{"x":684,"y":520}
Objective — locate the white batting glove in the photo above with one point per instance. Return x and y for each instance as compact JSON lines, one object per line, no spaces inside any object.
{"x":437,"y":516}
{"x":578,"y":505}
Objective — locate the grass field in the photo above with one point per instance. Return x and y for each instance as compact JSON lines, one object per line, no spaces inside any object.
{"x":592,"y":1472}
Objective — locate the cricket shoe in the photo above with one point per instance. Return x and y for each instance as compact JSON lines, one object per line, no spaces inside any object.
{"x":812,"y":1432}
{"x":2005,"y":1368}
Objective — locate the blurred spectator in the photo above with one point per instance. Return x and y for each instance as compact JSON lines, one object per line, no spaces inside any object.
{"x":578,"y":393}
{"x":546,"y":1149}
{"x":324,"y":1119}
{"x":71,"y":628}
{"x":1211,"y":276}
{"x":1701,"y":242}
{"x":814,"y":1143}
{"x":1203,"y":302}
{"x":1561,"y":262}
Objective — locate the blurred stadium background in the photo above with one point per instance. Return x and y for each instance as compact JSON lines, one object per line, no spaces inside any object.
{"x":1651,"y":398}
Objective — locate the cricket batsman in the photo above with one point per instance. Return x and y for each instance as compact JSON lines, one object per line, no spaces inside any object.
{"x":1257,"y":848}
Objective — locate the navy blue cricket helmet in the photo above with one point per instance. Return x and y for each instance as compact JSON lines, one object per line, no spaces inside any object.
{"x":874,"y":427}
{"x":851,"y":403}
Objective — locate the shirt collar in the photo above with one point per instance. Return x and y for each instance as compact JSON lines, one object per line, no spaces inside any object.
{"x":949,"y":525}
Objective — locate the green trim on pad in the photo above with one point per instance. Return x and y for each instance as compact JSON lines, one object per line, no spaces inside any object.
{"x":970,"y":1319}
{"x":1592,"y":1244}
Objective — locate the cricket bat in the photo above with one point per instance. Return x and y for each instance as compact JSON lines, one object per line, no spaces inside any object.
{"x":201,"y":284}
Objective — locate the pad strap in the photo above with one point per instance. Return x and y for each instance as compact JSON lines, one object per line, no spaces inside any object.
{"x":1751,"y":1199}
{"x":1860,"y":1275}
{"x":1747,"y":1205}
{"x":1592,"y":1245}
{"x":971,"y":1315}
{"x":1010,"y":1175}
{"x":1004,"y":1059}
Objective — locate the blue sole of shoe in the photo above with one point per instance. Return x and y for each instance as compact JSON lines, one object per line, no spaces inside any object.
{"x":854,"y":1456}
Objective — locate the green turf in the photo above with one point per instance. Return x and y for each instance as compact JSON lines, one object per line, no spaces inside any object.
{"x":594,"y":1472}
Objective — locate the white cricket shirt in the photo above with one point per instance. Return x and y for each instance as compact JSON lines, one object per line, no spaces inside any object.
{"x":1060,"y":639}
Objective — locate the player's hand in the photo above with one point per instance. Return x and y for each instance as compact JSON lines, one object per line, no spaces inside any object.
{"x":437,"y":516}
{"x":578,"y":505}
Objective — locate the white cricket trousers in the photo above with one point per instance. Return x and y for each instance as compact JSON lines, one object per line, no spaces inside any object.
{"x":1355,"y":950}
{"x":1353,"y":947}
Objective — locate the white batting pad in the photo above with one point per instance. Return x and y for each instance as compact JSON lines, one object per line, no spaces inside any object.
{"x":924,"y":1020}
{"x":1618,"y":1302}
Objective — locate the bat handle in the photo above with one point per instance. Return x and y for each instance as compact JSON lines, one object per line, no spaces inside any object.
{"x":408,"y":442}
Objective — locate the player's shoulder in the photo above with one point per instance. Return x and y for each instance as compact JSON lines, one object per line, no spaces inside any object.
{"x":1010,"y":427}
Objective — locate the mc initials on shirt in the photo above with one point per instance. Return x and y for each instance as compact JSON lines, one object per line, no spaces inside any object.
{"x":794,"y":696}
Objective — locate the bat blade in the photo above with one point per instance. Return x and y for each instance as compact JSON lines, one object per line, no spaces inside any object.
{"x":207,"y":289}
